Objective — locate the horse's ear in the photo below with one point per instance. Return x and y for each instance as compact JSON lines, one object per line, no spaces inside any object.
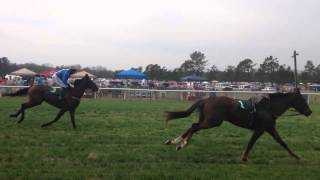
{"x":86,"y":76}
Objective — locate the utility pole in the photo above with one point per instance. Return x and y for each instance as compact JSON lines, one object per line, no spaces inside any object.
{"x":295,"y":54}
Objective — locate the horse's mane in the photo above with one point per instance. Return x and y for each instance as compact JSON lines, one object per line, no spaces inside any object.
{"x":77,"y":82}
{"x":279,"y":95}
{"x":273,"y":97}
{"x":276,"y":95}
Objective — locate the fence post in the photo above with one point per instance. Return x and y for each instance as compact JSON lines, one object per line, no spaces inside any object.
{"x":124,"y":95}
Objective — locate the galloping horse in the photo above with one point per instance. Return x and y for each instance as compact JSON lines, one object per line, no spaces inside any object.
{"x":38,"y":94}
{"x":213,"y":110}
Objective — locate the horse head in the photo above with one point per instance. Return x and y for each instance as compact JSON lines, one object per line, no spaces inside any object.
{"x":88,"y":83}
{"x":300,"y":104}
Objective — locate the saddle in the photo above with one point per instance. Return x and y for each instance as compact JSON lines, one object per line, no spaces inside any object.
{"x":248,"y":105}
{"x":251,"y":103}
{"x":58,"y":92}
{"x":55,"y":91}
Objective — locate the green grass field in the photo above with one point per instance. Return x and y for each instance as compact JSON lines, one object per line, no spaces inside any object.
{"x":125,"y":140}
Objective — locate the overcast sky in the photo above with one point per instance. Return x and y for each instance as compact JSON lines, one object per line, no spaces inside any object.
{"x":121,"y":34}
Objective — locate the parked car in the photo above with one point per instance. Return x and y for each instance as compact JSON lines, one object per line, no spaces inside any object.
{"x":222,"y":86}
{"x":228,"y":88}
{"x":269,"y":89}
{"x":2,"y":81}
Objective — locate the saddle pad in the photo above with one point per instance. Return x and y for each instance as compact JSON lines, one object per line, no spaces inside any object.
{"x":246,"y":104}
{"x":56,"y":91}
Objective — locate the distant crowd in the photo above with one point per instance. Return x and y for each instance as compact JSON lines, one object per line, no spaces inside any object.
{"x":13,"y":80}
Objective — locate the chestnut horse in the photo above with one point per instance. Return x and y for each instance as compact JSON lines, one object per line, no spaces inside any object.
{"x":213,"y":110}
{"x":38,"y":94}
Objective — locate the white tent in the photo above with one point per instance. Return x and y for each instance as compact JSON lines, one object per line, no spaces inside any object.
{"x":23,"y":72}
{"x":81,"y":74}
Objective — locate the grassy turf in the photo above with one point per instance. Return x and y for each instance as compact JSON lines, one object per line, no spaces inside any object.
{"x":124,"y":140}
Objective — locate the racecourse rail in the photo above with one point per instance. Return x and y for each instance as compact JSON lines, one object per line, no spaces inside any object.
{"x":157,"y":94}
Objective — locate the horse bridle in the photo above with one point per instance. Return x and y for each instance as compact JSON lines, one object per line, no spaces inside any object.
{"x":75,"y":98}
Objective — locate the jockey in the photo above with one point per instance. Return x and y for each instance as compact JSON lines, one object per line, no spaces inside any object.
{"x":39,"y":80}
{"x":61,"y":78}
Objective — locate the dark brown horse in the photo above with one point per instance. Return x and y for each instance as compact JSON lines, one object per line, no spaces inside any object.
{"x":212,"y":112}
{"x":38,"y":94}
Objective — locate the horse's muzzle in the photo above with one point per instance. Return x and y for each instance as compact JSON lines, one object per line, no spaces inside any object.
{"x":95,"y":89}
{"x":307,"y":112}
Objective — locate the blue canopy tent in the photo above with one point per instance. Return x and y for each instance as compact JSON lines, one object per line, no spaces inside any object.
{"x":194,"y":78}
{"x":131,"y":74}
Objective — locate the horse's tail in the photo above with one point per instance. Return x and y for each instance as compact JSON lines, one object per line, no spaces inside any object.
{"x":20,"y":92}
{"x":181,"y":114}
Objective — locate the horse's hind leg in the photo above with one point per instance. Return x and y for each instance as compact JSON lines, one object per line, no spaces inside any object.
{"x":178,"y":139}
{"x":174,"y":141}
{"x":194,"y":128}
{"x":182,"y":140}
{"x":25,"y":106}
{"x":61,"y":112}
{"x":18,"y":112}
{"x":21,"y":110}
{"x":273,"y":132}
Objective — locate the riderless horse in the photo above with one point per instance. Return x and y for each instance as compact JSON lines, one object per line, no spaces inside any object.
{"x":214,"y":110}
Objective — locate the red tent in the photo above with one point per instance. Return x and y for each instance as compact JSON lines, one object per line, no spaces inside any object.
{"x":48,"y":72}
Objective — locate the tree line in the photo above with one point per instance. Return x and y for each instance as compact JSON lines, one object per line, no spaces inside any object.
{"x":270,"y":70}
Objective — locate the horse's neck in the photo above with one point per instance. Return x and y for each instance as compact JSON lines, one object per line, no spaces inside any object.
{"x":279,"y":105}
{"x":78,"y":91}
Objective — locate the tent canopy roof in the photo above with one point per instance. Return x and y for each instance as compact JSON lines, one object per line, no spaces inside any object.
{"x":48,"y":72}
{"x":81,"y":74}
{"x":193,"y":78}
{"x":23,"y":72}
{"x":131,"y":74}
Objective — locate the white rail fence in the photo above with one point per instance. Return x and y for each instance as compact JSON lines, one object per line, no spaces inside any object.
{"x":155,"y":94}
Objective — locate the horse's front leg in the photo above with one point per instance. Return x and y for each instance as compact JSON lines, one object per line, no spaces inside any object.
{"x":254,"y":137}
{"x":61,"y":112}
{"x":273,"y":132}
{"x":72,"y":118}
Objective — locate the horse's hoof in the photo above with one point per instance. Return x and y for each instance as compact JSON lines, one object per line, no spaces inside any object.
{"x":178,"y":148}
{"x":12,"y":115}
{"x":43,"y":125}
{"x":244,"y":159}
{"x":297,"y":157}
{"x":167,"y":142}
